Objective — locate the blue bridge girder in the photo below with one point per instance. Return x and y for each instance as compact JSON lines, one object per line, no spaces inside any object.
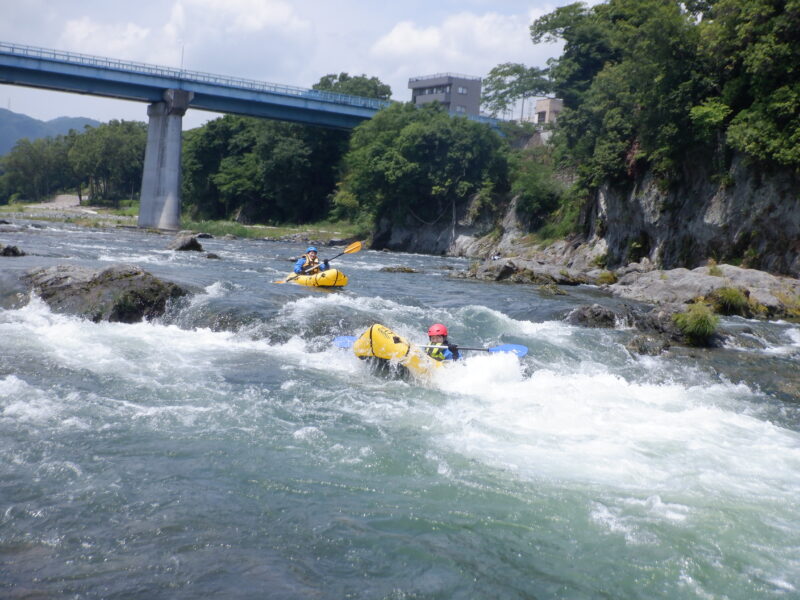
{"x":85,"y":74}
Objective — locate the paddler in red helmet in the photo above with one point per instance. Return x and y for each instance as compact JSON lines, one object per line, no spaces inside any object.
{"x":440,"y":348}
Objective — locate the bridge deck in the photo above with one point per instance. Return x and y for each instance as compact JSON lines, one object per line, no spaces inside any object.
{"x":86,"y":74}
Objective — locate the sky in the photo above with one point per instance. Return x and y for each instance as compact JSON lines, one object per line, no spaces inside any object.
{"x":291,"y":42}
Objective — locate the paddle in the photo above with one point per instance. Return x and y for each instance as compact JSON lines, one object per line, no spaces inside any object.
{"x":351,"y":249}
{"x":517,"y":349}
{"x":346,"y":341}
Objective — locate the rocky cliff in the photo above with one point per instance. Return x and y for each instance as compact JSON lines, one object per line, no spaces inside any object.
{"x":749,"y":216}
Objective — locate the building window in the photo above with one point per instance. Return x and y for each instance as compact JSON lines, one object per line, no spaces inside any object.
{"x":460,"y":108}
{"x":541,"y":117}
{"x":462,"y":89}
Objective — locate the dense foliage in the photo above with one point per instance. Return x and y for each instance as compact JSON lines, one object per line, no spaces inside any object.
{"x":262,"y":171}
{"x":652,"y":80}
{"x":104,"y":161}
{"x":534,"y":185}
{"x":753,"y":46}
{"x":418,"y":162}
{"x":254,"y":170}
{"x":361,"y":85}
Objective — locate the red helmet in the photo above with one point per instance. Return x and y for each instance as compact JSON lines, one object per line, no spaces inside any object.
{"x":437,"y":329}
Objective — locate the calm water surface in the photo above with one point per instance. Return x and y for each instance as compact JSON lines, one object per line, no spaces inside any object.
{"x":230,"y":451}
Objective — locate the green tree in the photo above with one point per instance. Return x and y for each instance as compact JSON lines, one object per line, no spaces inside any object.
{"x":534,"y":185}
{"x":25,"y":169}
{"x":629,"y":75}
{"x":359,"y":85}
{"x":257,"y":170}
{"x":109,"y":159}
{"x":204,"y":150}
{"x":509,"y":83}
{"x":752,"y":45}
{"x":419,"y":162}
{"x":587,"y":49}
{"x":37,"y":169}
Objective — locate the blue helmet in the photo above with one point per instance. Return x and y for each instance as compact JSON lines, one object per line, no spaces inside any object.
{"x":311,"y":249}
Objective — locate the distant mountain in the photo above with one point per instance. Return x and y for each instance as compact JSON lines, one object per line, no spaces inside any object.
{"x":15,"y":126}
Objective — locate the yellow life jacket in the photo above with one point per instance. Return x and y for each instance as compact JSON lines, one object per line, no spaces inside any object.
{"x":310,"y":266}
{"x":436,"y":352}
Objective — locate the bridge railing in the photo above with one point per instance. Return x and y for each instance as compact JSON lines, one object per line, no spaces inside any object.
{"x":75,"y":58}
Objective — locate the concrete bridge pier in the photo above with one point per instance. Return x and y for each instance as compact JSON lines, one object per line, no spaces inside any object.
{"x":160,"y":205}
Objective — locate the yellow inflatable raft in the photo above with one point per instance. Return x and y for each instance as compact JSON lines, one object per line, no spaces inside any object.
{"x":329,"y":278}
{"x":380,"y":344}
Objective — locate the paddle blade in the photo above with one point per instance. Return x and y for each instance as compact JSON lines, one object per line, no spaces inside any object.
{"x":344,"y":341}
{"x":517,"y":349}
{"x":287,"y":280}
{"x":352,"y":248}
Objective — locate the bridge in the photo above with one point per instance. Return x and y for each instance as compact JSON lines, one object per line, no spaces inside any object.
{"x":169,"y":93}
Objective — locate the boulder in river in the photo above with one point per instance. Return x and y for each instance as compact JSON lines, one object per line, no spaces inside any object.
{"x":186,"y":241}
{"x":120,"y":293}
{"x":10,"y":251}
{"x":594,"y":315}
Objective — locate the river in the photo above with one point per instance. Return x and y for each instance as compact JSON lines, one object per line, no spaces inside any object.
{"x":231,"y":451}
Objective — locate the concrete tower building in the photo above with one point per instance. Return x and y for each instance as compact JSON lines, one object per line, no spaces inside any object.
{"x":459,"y":94}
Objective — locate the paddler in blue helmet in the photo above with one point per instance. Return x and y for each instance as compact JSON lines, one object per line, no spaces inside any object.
{"x":309,"y":264}
{"x":440,"y":348}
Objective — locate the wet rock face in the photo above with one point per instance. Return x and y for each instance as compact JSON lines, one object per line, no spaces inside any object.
{"x":755,"y":214}
{"x":120,"y":293}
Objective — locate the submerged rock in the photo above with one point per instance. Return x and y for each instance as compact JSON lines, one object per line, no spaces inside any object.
{"x":120,"y":293}
{"x":647,"y":345}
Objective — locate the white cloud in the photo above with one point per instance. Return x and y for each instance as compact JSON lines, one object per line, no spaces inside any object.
{"x":117,"y":40}
{"x":464,"y":42}
{"x":406,"y":40}
{"x":247,"y":16}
